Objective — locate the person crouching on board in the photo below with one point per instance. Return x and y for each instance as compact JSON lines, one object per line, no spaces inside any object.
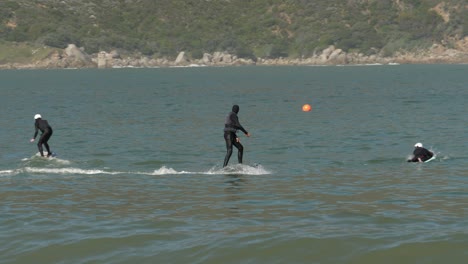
{"x":420,"y":154}
{"x":46,"y":130}
{"x":231,"y":125}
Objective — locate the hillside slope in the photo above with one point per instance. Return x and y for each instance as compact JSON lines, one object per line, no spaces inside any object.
{"x":247,"y":28}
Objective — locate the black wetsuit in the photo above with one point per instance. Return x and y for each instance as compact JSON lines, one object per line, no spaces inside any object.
{"x":46,"y":130}
{"x":231,"y":125}
{"x":421,"y":153}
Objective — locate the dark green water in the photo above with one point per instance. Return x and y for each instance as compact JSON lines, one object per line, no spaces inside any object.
{"x":138,"y":176}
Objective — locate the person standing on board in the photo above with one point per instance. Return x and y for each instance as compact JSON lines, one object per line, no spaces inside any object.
{"x":420,"y":154}
{"x":231,"y":125}
{"x":46,"y":130}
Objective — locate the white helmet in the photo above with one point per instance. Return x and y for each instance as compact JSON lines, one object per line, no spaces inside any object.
{"x":418,"y":145}
{"x":37,"y":116}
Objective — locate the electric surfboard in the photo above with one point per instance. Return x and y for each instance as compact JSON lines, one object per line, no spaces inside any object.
{"x":431,"y":159}
{"x":53,"y":155}
{"x":426,"y":161}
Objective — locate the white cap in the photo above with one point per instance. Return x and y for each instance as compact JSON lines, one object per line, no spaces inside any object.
{"x":418,"y":145}
{"x":37,"y":116}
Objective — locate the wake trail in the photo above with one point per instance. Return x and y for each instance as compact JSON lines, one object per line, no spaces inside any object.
{"x":229,"y":170}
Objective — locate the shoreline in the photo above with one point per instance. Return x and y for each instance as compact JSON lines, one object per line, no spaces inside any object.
{"x":32,"y":66}
{"x":15,"y":66}
{"x":75,"y":58}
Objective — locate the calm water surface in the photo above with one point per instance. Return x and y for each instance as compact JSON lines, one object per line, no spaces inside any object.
{"x":138,"y":176}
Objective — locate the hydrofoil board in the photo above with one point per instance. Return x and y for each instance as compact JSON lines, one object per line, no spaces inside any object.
{"x":53,"y":155}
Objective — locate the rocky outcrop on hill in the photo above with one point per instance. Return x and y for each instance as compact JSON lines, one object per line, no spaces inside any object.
{"x":70,"y":57}
{"x":329,"y":56}
{"x":74,"y":57}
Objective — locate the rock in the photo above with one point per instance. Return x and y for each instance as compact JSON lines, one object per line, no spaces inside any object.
{"x":226,"y":58}
{"x":334,"y":54}
{"x":114,"y":54}
{"x":102,"y":60}
{"x":217,"y":57}
{"x":145,"y":62}
{"x":207,"y":58}
{"x":74,"y":52}
{"x":342,"y":58}
{"x":326,"y":53}
{"x":181,"y":58}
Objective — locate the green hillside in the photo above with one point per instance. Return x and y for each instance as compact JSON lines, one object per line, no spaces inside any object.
{"x":248,"y":28}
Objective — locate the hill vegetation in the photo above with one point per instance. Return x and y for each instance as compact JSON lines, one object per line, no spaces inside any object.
{"x":247,"y":28}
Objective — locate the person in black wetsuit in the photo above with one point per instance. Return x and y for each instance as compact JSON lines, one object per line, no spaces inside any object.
{"x":46,"y":130}
{"x":231,"y":125}
{"x":420,"y":154}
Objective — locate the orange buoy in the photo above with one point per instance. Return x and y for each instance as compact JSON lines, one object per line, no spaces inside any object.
{"x":306,"y":108}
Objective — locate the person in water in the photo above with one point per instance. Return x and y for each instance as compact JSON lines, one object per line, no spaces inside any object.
{"x":231,"y":125}
{"x":46,"y":130}
{"x":420,"y":154}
